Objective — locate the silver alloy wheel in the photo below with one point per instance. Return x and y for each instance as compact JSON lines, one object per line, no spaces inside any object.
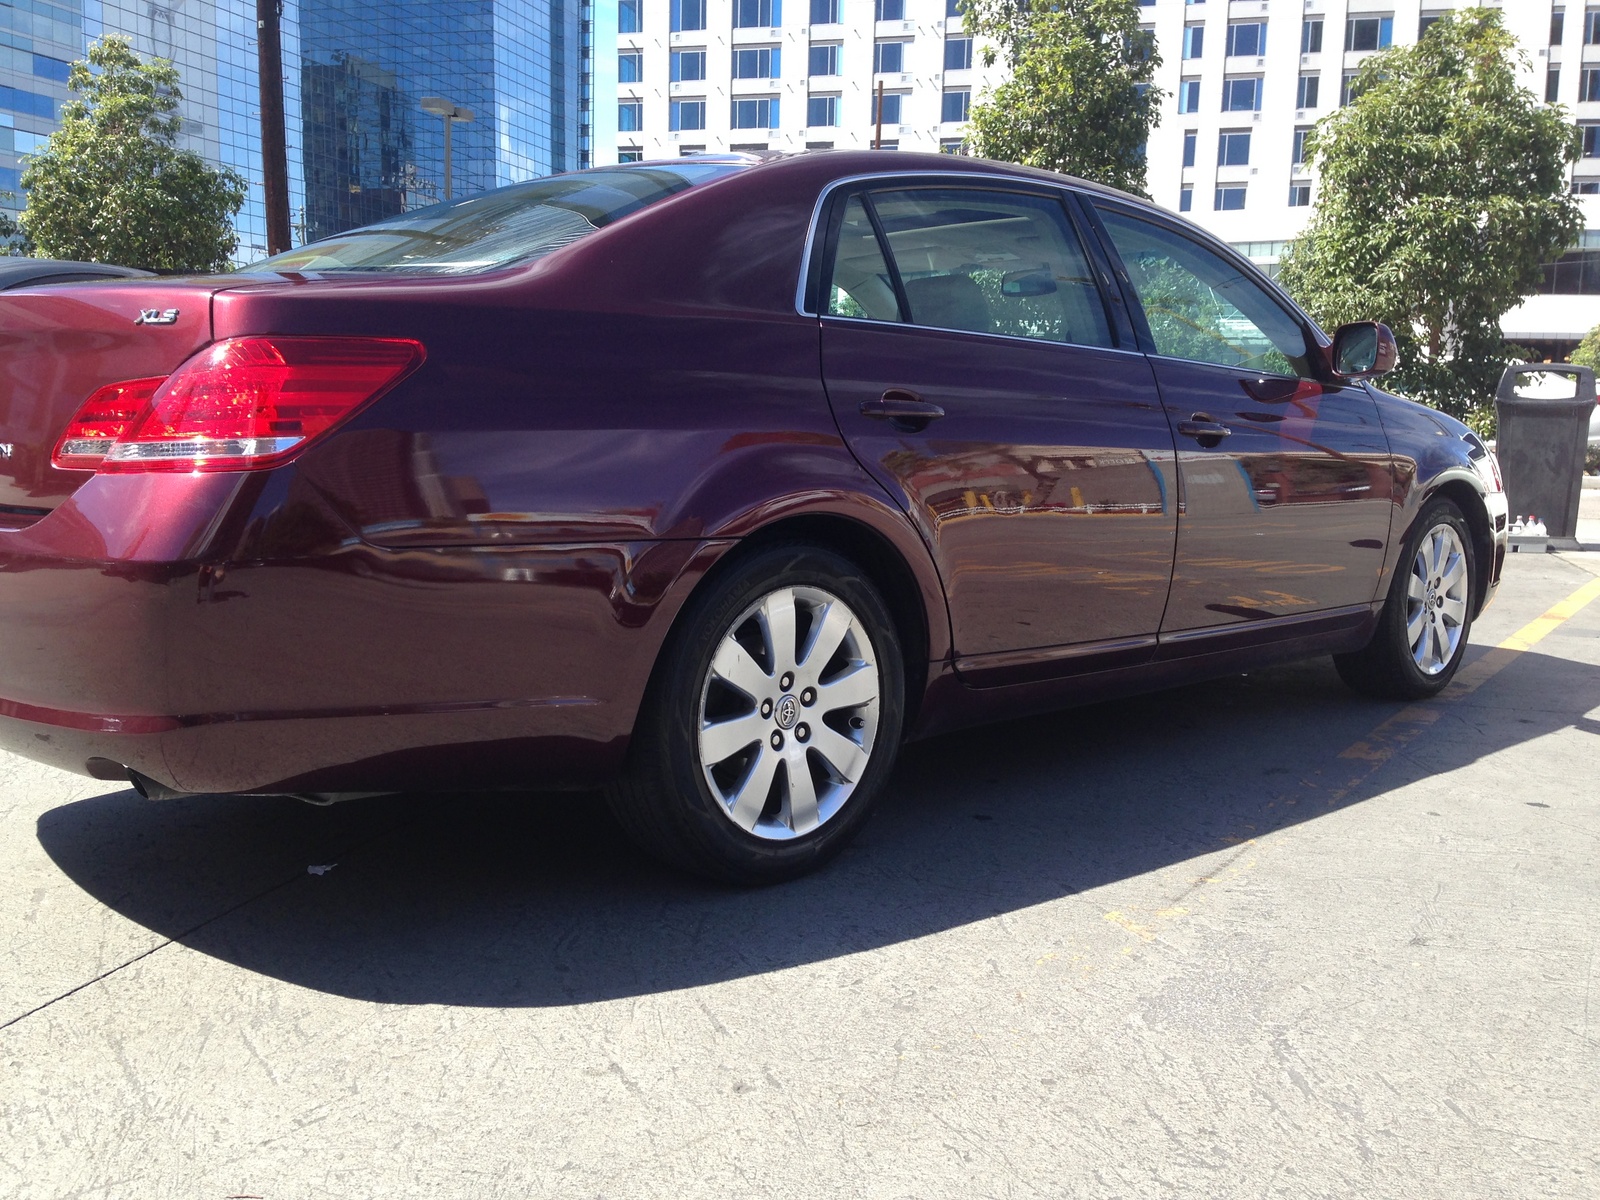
{"x":1436,"y":599}
{"x":788,"y":712}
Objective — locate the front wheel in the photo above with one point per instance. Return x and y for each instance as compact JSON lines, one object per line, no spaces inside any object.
{"x":772,"y":722}
{"x":1422,"y":632}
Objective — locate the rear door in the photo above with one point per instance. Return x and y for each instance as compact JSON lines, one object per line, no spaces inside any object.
{"x":976,"y":371}
{"x":1284,"y":472}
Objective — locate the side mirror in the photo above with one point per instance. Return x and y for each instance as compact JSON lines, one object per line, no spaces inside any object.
{"x":1363,"y":349}
{"x":1027,"y":283}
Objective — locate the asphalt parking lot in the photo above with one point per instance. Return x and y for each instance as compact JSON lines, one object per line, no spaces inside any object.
{"x":1252,"y":938}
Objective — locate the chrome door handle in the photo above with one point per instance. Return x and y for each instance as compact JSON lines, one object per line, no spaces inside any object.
{"x":902,"y":409}
{"x":1204,"y":430}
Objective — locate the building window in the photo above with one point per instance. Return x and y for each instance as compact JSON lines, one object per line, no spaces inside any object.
{"x":889,"y":10}
{"x":952,"y":8}
{"x":629,"y":19}
{"x":1309,"y":86}
{"x":756,"y":62}
{"x":958,"y":54}
{"x":1368,"y":33}
{"x":952,"y":145}
{"x":1349,"y":89}
{"x":1233,"y":148}
{"x":889,"y":57}
{"x":686,"y":114}
{"x":1230,"y":198}
{"x":1241,"y":95}
{"x":688,"y":15}
{"x":1186,"y":200}
{"x":630,"y":116}
{"x":1591,"y":139}
{"x":1426,"y":23}
{"x":755,"y":114}
{"x":825,"y":60}
{"x":1558,"y":26}
{"x":630,"y":66}
{"x":1299,"y":153}
{"x":824,"y":12}
{"x":1588,"y":84}
{"x":1552,"y":84}
{"x":1586,"y":187}
{"x":1189,"y":96}
{"x":757,"y":14}
{"x":891,"y":108}
{"x":688,"y":65}
{"x":822,"y":110}
{"x":1190,"y":138}
{"x":1194,"y":41}
{"x":957,"y":104}
{"x":633,"y":154}
{"x":1591,"y":28}
{"x":1247,"y":39}
{"x":1311,"y":36}
{"x":1299,"y":195}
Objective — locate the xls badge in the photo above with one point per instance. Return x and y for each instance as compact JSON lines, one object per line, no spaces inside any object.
{"x":156,"y":316}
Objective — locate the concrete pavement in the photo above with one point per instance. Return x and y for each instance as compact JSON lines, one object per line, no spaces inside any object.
{"x":1253,"y":938}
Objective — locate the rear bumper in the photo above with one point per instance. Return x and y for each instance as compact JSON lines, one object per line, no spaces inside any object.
{"x":142,"y":626}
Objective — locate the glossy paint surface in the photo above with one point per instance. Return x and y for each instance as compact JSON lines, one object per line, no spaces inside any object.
{"x":470,"y":583}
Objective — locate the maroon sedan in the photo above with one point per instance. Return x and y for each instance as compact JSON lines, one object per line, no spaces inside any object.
{"x":707,"y":481}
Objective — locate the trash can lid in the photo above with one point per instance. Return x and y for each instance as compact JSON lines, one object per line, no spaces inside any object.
{"x":1547,"y":386}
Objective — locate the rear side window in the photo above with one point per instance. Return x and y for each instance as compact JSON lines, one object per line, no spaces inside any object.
{"x":515,"y":224}
{"x":1200,"y":306}
{"x":977,"y":261}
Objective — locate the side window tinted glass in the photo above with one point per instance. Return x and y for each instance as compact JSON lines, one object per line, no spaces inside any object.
{"x":860,"y":285}
{"x":1201,"y":306}
{"x":992,"y":262}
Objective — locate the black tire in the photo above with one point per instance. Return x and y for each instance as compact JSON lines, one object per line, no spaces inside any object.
{"x":1387,"y":667}
{"x":674,"y":807}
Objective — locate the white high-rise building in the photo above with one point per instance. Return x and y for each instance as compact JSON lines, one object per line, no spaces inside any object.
{"x":1243,"y":81}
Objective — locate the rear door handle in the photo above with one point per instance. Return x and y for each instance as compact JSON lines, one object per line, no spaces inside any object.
{"x":902,"y":409}
{"x":1204,"y":430}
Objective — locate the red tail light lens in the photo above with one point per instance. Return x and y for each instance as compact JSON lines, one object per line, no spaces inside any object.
{"x":256,"y":402}
{"x":104,"y":417}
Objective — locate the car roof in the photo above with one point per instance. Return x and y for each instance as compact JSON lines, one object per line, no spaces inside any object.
{"x":29,"y":272}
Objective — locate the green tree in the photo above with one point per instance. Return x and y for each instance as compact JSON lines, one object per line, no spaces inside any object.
{"x":1588,"y":352}
{"x":1443,"y":190}
{"x":111,"y":184}
{"x":12,"y":239}
{"x":1079,"y":98}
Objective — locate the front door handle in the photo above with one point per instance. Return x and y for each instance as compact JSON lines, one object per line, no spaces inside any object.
{"x":902,"y":409}
{"x":1204,"y":430}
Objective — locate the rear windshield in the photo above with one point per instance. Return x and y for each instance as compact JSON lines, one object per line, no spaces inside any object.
{"x":513,"y":224}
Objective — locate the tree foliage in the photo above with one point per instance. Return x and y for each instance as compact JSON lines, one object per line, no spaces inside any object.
{"x":112,"y":186}
{"x":1588,"y":352}
{"x":1443,"y":190}
{"x":1079,"y":98}
{"x":12,"y":240}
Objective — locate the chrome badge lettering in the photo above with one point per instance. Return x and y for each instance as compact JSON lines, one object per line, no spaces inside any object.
{"x":6,"y":449}
{"x":156,"y":316}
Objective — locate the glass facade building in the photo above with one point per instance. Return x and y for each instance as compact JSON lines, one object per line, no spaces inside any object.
{"x":359,"y":145}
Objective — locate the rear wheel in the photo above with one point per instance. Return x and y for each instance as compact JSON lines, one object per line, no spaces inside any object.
{"x":772,"y":723}
{"x":1422,"y":632}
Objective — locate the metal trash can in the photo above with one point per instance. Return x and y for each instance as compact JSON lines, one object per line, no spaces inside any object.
{"x":1543,"y":411}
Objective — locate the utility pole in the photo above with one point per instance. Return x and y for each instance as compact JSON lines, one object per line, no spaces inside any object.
{"x":877,"y":142}
{"x":274,"y":149}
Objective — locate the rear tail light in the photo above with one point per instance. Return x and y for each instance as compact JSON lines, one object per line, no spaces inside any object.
{"x":244,"y":404}
{"x":104,"y":417}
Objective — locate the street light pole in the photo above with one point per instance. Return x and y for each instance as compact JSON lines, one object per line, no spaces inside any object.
{"x":451,"y":113}
{"x":274,"y":154}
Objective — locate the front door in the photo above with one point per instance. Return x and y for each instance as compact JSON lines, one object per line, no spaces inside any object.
{"x":974,"y":370}
{"x":1284,"y":477}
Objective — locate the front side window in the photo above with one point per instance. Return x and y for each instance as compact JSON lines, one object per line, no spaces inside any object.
{"x":889,"y":57}
{"x":987,"y":262}
{"x":686,"y":114}
{"x":756,"y":14}
{"x":1241,"y":95}
{"x":756,"y":114}
{"x":629,"y":17}
{"x":688,"y":65}
{"x":822,"y":110}
{"x":1247,"y":38}
{"x":958,"y":54}
{"x":756,"y":62}
{"x":688,"y":15}
{"x":630,"y":66}
{"x":824,"y":12}
{"x":1200,"y":305}
{"x":1311,"y":36}
{"x":957,"y":104}
{"x":825,"y":60}
{"x":509,"y":225}
{"x":1233,"y":148}
{"x":1368,"y":33}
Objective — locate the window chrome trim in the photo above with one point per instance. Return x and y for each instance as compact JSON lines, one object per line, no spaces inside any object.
{"x":978,"y":333}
